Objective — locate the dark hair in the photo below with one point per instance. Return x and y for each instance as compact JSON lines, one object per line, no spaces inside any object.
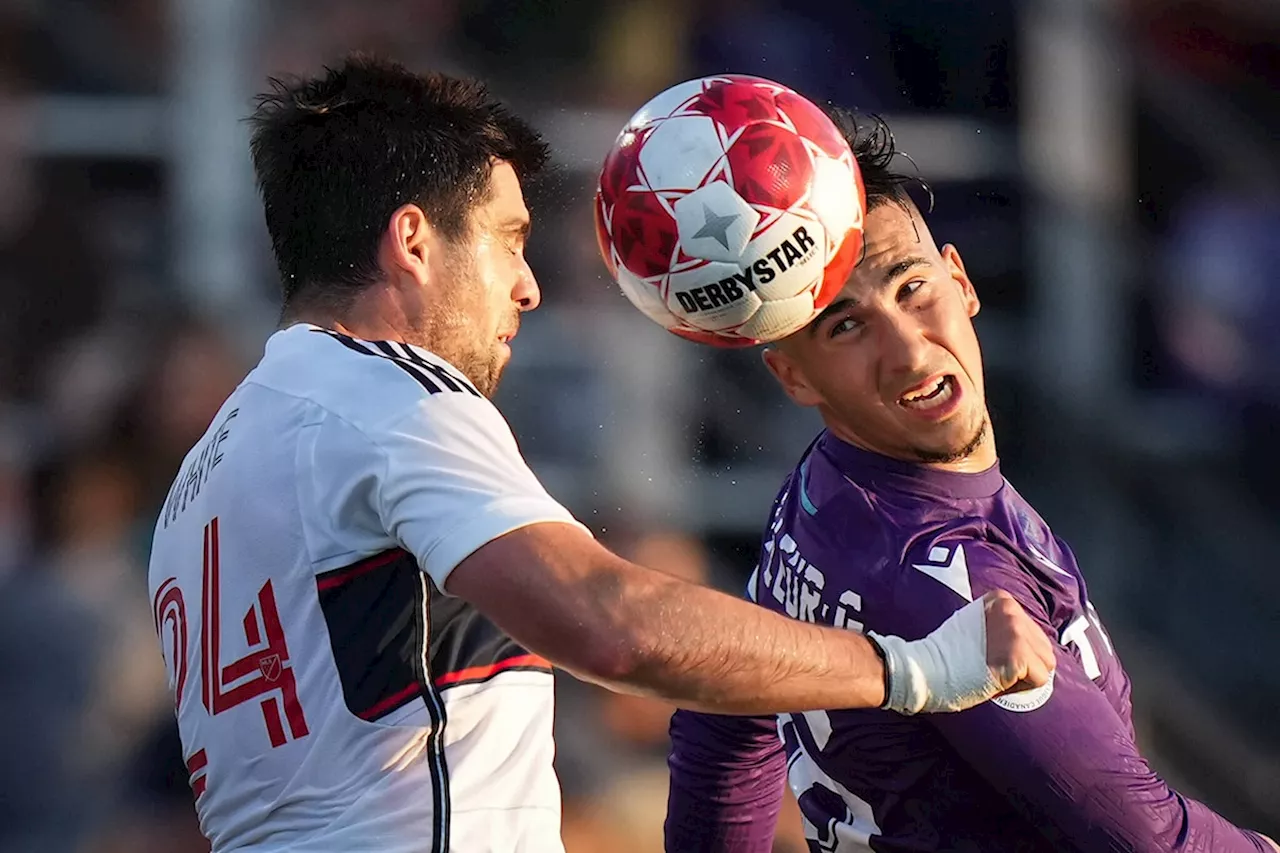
{"x":335,"y":155}
{"x":875,"y":150}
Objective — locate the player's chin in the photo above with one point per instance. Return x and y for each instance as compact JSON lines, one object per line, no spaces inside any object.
{"x":493,"y":375}
{"x":951,"y":440}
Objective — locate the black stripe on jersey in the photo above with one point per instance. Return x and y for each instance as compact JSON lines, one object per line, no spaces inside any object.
{"x":441,"y":801}
{"x":401,"y":353}
{"x":380,"y":614}
{"x":373,"y":610}
{"x":467,"y":648}
{"x":431,"y":376}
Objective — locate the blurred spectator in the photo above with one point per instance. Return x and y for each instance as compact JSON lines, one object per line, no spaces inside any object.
{"x":153,"y":811}
{"x":48,"y":645}
{"x":1223,"y":305}
{"x":1220,"y":310}
{"x":51,"y":273}
{"x":192,"y":369}
{"x":93,"y":505}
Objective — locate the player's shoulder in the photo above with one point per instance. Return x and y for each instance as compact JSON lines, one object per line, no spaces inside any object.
{"x":368,"y":384}
{"x":820,"y":505}
{"x":900,"y":540}
{"x":958,"y":560}
{"x":823,"y":534}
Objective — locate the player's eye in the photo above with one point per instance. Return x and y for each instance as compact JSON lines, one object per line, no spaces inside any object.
{"x":516,"y":239}
{"x":840,"y":327}
{"x":910,"y":289}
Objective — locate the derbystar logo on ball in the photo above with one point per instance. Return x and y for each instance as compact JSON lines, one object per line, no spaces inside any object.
{"x":730,"y":210}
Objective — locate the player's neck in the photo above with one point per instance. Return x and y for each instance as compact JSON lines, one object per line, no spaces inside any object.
{"x":366,"y":317}
{"x":981,"y":458}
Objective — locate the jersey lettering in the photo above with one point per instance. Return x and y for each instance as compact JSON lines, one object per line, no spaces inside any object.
{"x":834,"y":818}
{"x":1076,"y":634}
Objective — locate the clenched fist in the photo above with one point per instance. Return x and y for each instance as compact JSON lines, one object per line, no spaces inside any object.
{"x":1019,"y":653}
{"x":986,"y":648}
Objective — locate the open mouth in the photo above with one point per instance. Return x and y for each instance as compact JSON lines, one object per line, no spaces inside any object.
{"x":930,"y":394}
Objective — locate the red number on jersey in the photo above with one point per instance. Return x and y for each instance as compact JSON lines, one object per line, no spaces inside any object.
{"x":169,"y":609}
{"x":196,"y":765}
{"x":264,"y":671}
{"x":263,"y":674}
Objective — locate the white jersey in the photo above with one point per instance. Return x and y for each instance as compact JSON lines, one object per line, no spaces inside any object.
{"x":329,"y":696}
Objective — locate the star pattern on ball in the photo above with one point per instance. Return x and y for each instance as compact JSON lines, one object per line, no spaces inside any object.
{"x":715,"y":225}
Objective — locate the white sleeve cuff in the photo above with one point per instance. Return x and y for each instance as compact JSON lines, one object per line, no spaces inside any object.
{"x":486,"y":524}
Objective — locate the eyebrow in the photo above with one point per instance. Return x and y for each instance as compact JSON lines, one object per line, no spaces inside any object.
{"x":889,"y":277}
{"x":837,"y":307}
{"x":902,"y":266}
{"x":519,"y":226}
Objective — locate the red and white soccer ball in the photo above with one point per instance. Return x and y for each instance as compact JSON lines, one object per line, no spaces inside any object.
{"x":730,"y":210}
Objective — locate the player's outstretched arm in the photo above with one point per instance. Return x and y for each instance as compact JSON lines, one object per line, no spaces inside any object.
{"x":1064,"y":757}
{"x":1073,"y":769}
{"x":445,"y":481}
{"x":564,"y":596}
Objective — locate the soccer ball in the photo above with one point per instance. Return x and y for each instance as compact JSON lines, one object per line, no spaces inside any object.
{"x":730,"y":210}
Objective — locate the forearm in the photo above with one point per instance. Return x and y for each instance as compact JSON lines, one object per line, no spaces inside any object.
{"x":560,"y":594}
{"x":633,"y":629}
{"x":708,"y":651}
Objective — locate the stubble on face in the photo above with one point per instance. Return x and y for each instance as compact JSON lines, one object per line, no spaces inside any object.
{"x":460,"y":326}
{"x":930,"y":456}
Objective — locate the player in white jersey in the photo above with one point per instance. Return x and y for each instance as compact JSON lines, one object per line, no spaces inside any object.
{"x":358,"y":584}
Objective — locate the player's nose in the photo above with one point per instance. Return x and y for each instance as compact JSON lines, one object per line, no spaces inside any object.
{"x":904,"y":346}
{"x":526,"y":292}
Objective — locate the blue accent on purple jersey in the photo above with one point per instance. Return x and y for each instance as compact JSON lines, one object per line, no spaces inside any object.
{"x":860,"y":541}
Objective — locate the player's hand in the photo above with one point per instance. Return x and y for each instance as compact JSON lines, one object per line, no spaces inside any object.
{"x":988,"y":647}
{"x":1019,"y":653}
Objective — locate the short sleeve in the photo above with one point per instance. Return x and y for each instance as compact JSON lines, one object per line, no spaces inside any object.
{"x":453,"y":479}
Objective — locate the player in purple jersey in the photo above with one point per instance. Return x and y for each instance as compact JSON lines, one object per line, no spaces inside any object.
{"x":896,"y":516}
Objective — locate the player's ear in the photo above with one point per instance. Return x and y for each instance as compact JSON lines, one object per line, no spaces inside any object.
{"x":955,"y":266}
{"x":790,"y":376}
{"x":406,"y":244}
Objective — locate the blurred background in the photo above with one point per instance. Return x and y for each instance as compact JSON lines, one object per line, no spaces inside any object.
{"x":1109,"y":168}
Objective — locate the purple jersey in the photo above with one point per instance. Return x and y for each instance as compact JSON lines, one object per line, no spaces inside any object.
{"x":858,"y":541}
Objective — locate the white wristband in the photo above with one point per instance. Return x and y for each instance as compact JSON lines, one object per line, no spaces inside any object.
{"x":945,"y":671}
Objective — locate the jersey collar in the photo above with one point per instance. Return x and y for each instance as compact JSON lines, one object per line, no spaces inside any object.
{"x":869,"y":469}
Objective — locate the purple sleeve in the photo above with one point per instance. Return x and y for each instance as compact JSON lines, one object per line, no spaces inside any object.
{"x":1070,"y":764}
{"x":727,"y":777}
